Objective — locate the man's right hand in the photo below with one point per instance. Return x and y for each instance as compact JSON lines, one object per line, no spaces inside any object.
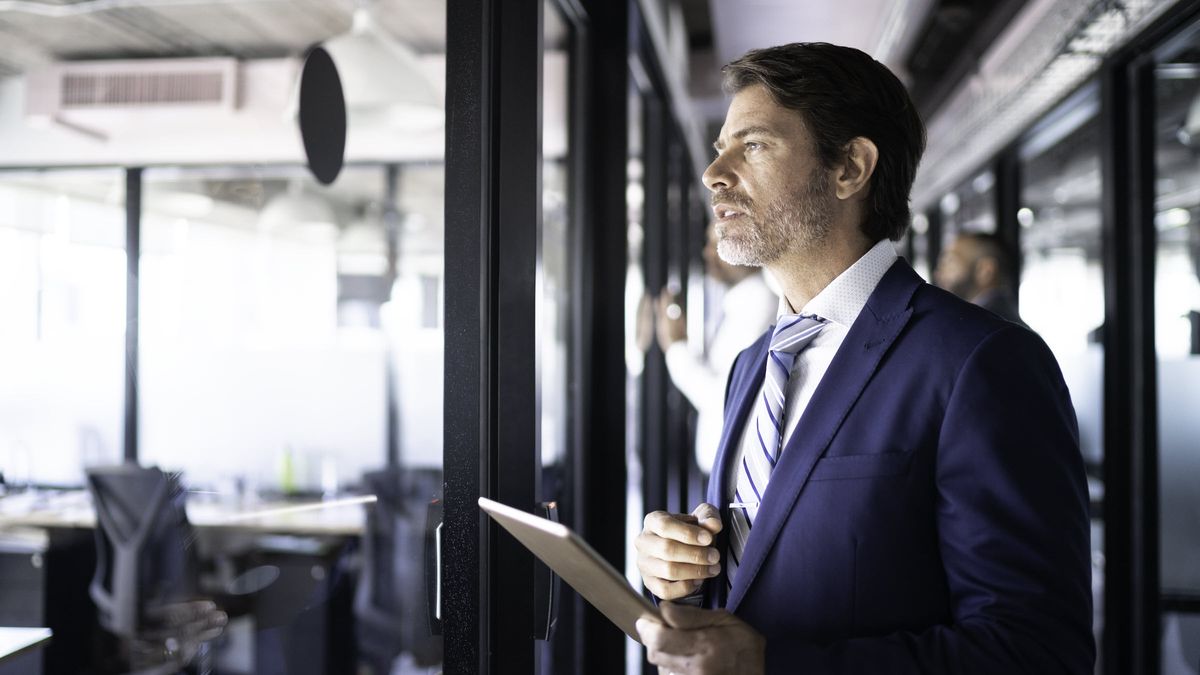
{"x":675,"y":552}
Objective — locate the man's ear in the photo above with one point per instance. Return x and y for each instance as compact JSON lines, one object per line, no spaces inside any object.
{"x":858,"y":165}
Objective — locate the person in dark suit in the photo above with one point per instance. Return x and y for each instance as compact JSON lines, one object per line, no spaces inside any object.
{"x":899,"y":487}
{"x":975,"y":268}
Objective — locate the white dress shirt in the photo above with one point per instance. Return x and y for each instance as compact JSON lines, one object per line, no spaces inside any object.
{"x":840,"y":303}
{"x":748,"y":308}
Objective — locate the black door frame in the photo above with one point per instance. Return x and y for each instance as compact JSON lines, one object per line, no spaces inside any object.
{"x":493,"y":215}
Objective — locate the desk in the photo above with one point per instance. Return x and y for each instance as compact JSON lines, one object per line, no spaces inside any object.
{"x":73,"y":508}
{"x":14,"y":641}
{"x":304,"y":614}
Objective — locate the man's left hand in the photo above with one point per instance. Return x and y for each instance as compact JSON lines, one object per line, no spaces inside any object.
{"x":702,"y":642}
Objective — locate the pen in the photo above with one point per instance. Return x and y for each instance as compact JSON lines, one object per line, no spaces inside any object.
{"x":742,"y":505}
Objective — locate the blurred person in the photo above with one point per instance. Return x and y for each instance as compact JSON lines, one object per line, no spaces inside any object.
{"x":975,"y":267}
{"x":899,"y":488}
{"x":747,"y":308}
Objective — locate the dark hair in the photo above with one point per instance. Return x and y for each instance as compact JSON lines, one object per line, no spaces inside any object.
{"x":843,"y":94}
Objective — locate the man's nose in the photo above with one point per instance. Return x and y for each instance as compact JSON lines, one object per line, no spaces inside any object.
{"x":717,"y":176}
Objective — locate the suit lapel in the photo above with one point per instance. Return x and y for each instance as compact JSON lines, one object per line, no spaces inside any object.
{"x":745,"y":385}
{"x":886,"y":313}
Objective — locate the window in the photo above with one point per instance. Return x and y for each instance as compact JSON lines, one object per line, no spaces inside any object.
{"x":62,"y":324}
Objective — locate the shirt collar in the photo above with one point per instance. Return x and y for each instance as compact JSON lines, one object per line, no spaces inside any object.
{"x":844,"y":298}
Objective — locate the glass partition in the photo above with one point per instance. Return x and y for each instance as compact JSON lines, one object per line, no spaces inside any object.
{"x":1061,"y":287}
{"x":554,"y":315}
{"x":264,"y":306}
{"x":971,"y":207}
{"x":62,"y":324}
{"x":292,"y":349}
{"x":1177,"y":342}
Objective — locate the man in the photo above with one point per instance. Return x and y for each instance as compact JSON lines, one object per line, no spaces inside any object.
{"x":899,"y":487}
{"x":747,"y":309}
{"x":975,"y":268}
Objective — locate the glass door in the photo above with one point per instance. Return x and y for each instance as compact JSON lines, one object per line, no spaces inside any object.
{"x":1176,"y":128}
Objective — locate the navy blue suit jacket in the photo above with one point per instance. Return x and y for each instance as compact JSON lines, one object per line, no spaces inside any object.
{"x":930,"y":512}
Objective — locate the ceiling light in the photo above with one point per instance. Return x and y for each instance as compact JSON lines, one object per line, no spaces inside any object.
{"x":382,"y":79}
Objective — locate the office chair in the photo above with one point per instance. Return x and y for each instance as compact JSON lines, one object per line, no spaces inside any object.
{"x":390,"y":602}
{"x":145,"y":585}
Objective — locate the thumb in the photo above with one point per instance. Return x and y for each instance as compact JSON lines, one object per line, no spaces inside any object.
{"x":686,"y":617}
{"x":708,"y":517}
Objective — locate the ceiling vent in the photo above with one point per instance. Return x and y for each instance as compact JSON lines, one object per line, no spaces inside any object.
{"x":197,"y":84}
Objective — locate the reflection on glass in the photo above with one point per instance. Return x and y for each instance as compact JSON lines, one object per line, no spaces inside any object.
{"x":62,"y":324}
{"x":969,"y":208}
{"x":554,"y":298}
{"x":246,"y":367}
{"x":1062,"y":285}
{"x":919,"y":236}
{"x":635,"y":287}
{"x":1177,"y":332}
{"x":272,"y":312}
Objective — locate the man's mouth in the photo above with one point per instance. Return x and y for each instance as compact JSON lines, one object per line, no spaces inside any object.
{"x":723,"y":212}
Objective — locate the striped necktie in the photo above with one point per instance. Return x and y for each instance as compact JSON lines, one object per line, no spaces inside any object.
{"x":792,"y":334}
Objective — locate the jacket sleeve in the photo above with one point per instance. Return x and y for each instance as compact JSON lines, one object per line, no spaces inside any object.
{"x":1013,"y":531}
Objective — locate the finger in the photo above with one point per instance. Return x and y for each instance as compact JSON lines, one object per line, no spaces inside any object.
{"x":671,"y":590}
{"x":667,"y":640}
{"x":178,"y":613}
{"x":672,"y":526}
{"x":676,"y":571}
{"x":686,"y":617}
{"x":652,"y":545}
{"x":708,"y":517}
{"x":672,"y":664}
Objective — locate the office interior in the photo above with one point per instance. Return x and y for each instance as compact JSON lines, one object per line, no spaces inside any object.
{"x":284,"y":395}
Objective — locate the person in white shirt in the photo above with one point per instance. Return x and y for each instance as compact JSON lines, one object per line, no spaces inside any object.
{"x":747,"y":308}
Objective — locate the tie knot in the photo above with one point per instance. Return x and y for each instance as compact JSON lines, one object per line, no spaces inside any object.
{"x":793,"y":332}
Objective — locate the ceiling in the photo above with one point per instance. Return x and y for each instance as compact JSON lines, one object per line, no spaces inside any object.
{"x":885,"y":29}
{"x":742,"y":25}
{"x":238,"y":28}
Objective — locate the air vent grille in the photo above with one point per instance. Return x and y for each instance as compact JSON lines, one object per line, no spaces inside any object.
{"x":133,"y":89}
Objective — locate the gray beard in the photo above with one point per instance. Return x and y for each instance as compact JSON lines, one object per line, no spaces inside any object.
{"x":798,"y":221}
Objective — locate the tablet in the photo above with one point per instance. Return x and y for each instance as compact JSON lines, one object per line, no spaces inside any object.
{"x":576,"y":563}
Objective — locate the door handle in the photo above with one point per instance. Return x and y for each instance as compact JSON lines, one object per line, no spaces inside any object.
{"x":433,"y":565}
{"x":545,"y":585}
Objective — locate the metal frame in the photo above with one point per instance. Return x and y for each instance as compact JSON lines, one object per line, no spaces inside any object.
{"x":1134,"y":599}
{"x":655,"y":381}
{"x":493,"y":169}
{"x":133,"y":248}
{"x":568,"y":639}
{"x":600,"y":470}
{"x":1007,"y":170}
{"x":1131,"y":628}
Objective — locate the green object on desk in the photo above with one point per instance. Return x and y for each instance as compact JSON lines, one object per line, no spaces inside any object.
{"x":287,"y":473}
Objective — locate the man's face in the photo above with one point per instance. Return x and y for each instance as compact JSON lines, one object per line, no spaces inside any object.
{"x":956,"y":269}
{"x":770,"y":193}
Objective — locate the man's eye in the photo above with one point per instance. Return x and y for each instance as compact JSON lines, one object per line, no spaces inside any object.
{"x":753,"y":146}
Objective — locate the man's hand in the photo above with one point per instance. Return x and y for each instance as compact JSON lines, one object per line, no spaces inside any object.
{"x":702,"y":642}
{"x":674,"y":550}
{"x":671,"y":323}
{"x":175,"y":632}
